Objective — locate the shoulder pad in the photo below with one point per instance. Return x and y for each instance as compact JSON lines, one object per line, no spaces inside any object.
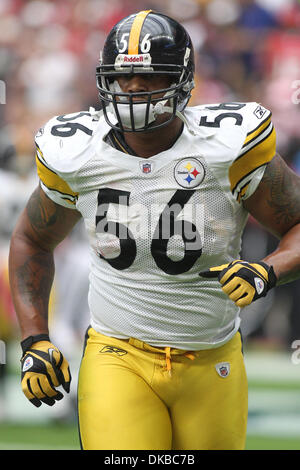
{"x":239,"y":119}
{"x":243,"y":115}
{"x":254,"y":115}
{"x":225,"y":120}
{"x":65,"y":142}
{"x":257,"y":150}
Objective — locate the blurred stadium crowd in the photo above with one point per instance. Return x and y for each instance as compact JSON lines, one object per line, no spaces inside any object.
{"x":246,"y":50}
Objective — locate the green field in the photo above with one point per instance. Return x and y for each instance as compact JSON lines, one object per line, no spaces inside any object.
{"x":65,"y":437}
{"x":26,"y":436}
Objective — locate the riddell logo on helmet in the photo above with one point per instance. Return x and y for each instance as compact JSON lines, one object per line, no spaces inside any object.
{"x":133,"y":58}
{"x":127,"y":59}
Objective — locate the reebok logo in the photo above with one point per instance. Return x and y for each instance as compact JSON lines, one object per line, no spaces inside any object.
{"x":113,"y":350}
{"x":259,"y":112}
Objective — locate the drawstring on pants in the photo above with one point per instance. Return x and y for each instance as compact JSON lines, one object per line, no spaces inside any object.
{"x":189,"y":355}
{"x":167,"y":351}
{"x":168,"y":360}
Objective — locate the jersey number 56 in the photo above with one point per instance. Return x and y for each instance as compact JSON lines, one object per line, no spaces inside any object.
{"x":168,"y":225}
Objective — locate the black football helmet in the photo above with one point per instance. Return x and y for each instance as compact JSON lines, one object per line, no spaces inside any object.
{"x":145,"y":43}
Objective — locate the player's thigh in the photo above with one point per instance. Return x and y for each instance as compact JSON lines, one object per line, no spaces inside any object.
{"x":118,"y":409}
{"x":212,"y":411}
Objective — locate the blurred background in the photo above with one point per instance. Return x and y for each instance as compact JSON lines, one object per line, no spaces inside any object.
{"x":246,"y":50}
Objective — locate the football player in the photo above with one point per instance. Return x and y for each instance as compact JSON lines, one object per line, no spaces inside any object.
{"x":165,"y":191}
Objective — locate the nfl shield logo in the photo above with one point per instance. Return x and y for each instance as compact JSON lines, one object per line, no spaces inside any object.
{"x":146,"y":167}
{"x":223,"y":369}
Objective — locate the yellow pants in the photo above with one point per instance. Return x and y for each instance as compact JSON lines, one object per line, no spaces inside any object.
{"x":132,"y":396}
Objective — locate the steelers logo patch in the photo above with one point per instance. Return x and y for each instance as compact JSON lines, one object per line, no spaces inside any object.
{"x":189,"y":173}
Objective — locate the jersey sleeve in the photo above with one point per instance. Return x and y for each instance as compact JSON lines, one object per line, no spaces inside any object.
{"x":54,"y":185}
{"x":258,"y":149}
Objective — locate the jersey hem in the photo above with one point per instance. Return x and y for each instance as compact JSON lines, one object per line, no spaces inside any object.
{"x":198,"y":346}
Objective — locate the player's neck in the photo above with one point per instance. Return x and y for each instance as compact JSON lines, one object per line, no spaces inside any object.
{"x":147,"y":144}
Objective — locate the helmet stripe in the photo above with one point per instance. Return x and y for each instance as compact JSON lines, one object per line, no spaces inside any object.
{"x":133,"y":44}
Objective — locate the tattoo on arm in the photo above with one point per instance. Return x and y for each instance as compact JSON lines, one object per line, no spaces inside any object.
{"x":49,"y":222}
{"x":35,"y":279}
{"x":276,"y":205}
{"x":282,"y":193}
{"x":41,"y":227}
{"x":39,"y":215}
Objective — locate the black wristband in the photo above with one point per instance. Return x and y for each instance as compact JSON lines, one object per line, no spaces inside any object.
{"x":28,"y":342}
{"x":272,"y":278}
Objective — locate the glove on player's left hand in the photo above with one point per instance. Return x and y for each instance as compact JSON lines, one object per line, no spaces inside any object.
{"x":44,"y":368}
{"x":243,"y":282}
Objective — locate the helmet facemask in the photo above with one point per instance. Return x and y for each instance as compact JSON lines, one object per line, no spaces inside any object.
{"x":139,"y":111}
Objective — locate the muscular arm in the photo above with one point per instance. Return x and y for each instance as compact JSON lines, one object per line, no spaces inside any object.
{"x":40,"y":228}
{"x":276,"y":205}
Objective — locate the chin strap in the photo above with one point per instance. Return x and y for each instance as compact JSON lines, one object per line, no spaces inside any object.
{"x":94,"y":113}
{"x":160,"y":108}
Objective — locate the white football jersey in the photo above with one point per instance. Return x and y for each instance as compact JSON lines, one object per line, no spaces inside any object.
{"x":155,"y":223}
